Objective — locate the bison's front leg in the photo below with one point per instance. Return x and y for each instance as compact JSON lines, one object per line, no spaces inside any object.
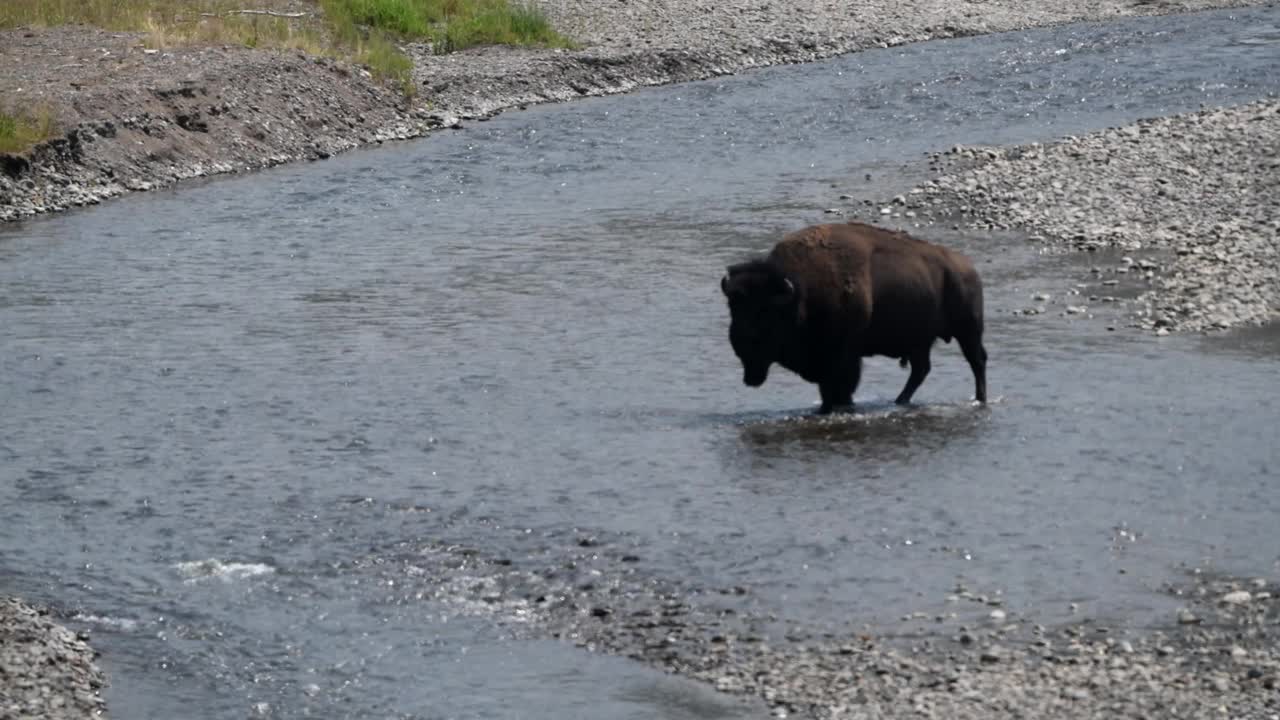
{"x":920,"y":366}
{"x":834,"y":396}
{"x":837,"y":390}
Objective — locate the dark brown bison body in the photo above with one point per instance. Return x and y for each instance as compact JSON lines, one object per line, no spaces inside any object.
{"x":829,"y":295}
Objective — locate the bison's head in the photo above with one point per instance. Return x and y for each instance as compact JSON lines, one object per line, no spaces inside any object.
{"x":762,"y":310}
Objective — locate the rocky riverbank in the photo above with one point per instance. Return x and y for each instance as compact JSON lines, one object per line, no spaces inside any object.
{"x":46,"y":670}
{"x":134,"y":118}
{"x":1195,"y":196}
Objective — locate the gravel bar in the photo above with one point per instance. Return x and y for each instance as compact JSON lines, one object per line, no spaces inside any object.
{"x":1198,"y":195}
{"x":1215,"y":656}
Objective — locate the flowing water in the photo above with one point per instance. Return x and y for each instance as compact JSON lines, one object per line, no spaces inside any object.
{"x":229,"y":408}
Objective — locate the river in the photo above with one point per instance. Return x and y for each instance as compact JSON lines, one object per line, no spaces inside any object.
{"x":236,"y":411}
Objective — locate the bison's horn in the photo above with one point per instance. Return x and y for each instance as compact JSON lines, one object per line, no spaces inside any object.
{"x":785,"y":295}
{"x":724,"y":284}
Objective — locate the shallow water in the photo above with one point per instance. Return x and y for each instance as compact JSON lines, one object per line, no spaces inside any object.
{"x":229,"y":408}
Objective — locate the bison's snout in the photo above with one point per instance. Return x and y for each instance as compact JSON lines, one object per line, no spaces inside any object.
{"x":755,"y":377}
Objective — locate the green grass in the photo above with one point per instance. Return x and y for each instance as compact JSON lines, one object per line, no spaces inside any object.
{"x":449,"y":25}
{"x":21,"y":130}
{"x":386,"y":60}
{"x":364,"y":31}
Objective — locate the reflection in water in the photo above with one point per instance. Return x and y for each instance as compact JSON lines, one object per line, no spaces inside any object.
{"x":880,"y":433}
{"x":674,"y":699}
{"x":850,"y":449}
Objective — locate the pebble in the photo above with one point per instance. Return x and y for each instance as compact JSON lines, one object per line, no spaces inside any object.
{"x":1238,"y":597}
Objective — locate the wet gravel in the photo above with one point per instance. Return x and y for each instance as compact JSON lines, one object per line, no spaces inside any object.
{"x":1215,"y":657}
{"x":1191,"y":202}
{"x":46,"y":670}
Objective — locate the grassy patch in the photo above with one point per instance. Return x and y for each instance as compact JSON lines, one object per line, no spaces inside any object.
{"x":174,"y":22}
{"x":449,"y":25}
{"x":21,"y":130}
{"x":365,"y":31}
{"x":385,"y":60}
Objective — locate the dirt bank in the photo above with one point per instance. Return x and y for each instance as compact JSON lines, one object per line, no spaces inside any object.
{"x":1196,"y":197}
{"x":135,"y":119}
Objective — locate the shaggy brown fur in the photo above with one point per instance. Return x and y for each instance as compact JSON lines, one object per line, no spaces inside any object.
{"x":829,"y":295}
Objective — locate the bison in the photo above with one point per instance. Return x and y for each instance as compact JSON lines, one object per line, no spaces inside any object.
{"x":829,"y":295}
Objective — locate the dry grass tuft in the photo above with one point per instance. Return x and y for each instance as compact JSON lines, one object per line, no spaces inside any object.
{"x":21,"y":129}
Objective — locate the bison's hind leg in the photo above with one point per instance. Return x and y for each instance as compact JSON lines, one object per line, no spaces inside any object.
{"x":976,"y":354}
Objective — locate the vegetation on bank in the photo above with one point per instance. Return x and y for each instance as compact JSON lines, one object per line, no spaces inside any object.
{"x":364,"y":31}
{"x":20,"y":130}
{"x":449,"y":25}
